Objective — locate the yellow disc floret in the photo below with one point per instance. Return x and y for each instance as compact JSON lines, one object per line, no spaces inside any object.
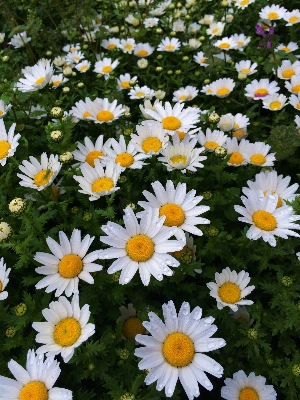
{"x":224,"y":45}
{"x":125,"y":159}
{"x":86,"y":114}
{"x":236,"y":158}
{"x":67,"y":332}
{"x":111,"y":46}
{"x":178,"y":349}
{"x":175,"y":215}
{"x":133,"y":326}
{"x":106,"y":69}
{"x":105,"y":116}
{"x":261,"y":92}
{"x":296,"y":89}
{"x":125,"y":85}
{"x":43,"y":177}
{"x":92,"y":156}
{"x":178,"y":159}
{"x":264,"y":220}
{"x":258,"y":159}
{"x":70,"y":266}
{"x":4,"y":148}
{"x":229,"y":293}
{"x":273,"y":15}
{"x":211,"y":145}
{"x":248,"y":394}
{"x":222,"y":92}
{"x":39,"y":81}
{"x":1,"y":286}
{"x":275,"y":105}
{"x":294,"y":19}
{"x":288,"y":73}
{"x":170,"y":47}
{"x":102,"y":184}
{"x":34,"y":390}
{"x":142,"y":53}
{"x":151,"y":144}
{"x":171,"y":123}
{"x":140,"y":248}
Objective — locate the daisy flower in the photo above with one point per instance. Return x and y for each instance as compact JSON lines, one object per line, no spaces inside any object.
{"x":105,"y":66}
{"x":19,"y":40}
{"x":246,"y":67}
{"x":200,"y":59}
{"x":194,"y":28}
{"x":247,"y":387}
{"x":137,"y":93}
{"x":74,"y":57}
{"x":226,"y":44}
{"x":257,"y":154}
{"x":292,"y":17}
{"x":82,"y":109}
{"x":169,"y":45}
{"x":89,"y":152}
{"x":275,"y":102}
{"x":180,"y":208}
{"x":241,"y":315}
{"x":173,"y":119}
{"x":272,"y":12}
{"x":294,"y":85}
{"x":257,"y":90}
{"x":211,"y":139}
{"x":215,"y":29}
{"x":39,"y":175}
{"x":288,"y":69}
{"x":110,"y":44}
{"x":4,"y":108}
{"x":124,"y":81}
{"x":240,"y":121}
{"x":241,"y":4}
{"x":57,"y":80}
{"x":208,"y":19}
{"x":127,"y":45}
{"x":66,"y":327}
{"x":230,"y":289}
{"x":38,"y":78}
{"x":226,"y":122}
{"x":132,"y":325}
{"x":34,"y":382}
{"x":235,"y":150}
{"x":241,"y":40}
{"x":187,"y":93}
{"x":267,"y":221}
{"x":295,"y":101}
{"x":148,"y":106}
{"x":140,"y":246}
{"x":123,"y":154}
{"x":71,"y":47}
{"x":8,"y":142}
{"x":102,"y":111}
{"x":67,"y":264}
{"x":151,"y":22}
{"x":96,"y":181}
{"x":292,"y":46}
{"x":5,"y":232}
{"x":182,"y":155}
{"x":222,"y":87}
{"x":83,"y":66}
{"x":175,"y":350}
{"x":151,"y":138}
{"x":269,"y":181}
{"x":4,"y":272}
{"x":143,"y":50}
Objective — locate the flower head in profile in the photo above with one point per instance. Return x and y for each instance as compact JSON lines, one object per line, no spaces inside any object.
{"x":175,"y":350}
{"x":37,"y":78}
{"x":34,"y":382}
{"x":8,"y":142}
{"x":132,"y":325}
{"x":4,"y":272}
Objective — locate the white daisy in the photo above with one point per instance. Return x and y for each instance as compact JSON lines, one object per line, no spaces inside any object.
{"x":34,"y":382}
{"x":110,"y":44}
{"x":272,"y":12}
{"x":19,"y":40}
{"x":124,"y":81}
{"x":66,"y":327}
{"x":226,"y":122}
{"x":292,"y":17}
{"x":74,"y":57}
{"x":102,"y":111}
{"x":241,"y":315}
{"x":226,"y":44}
{"x":215,"y":29}
{"x":211,"y":139}
{"x":151,"y":138}
{"x":193,"y":44}
{"x":194,"y":28}
{"x":71,"y":47}
{"x":230,"y":289}
{"x":96,"y":181}
{"x":208,"y":19}
{"x":175,"y":350}
{"x":240,"y":121}
{"x":246,"y":67}
{"x":288,"y":69}
{"x":4,"y":108}
{"x":235,"y":150}
{"x":243,"y":3}
{"x":222,"y":87}
{"x":247,"y":387}
{"x":143,"y":92}
{"x":143,"y":50}
{"x":127,"y":45}
{"x":182,"y":155}
{"x":140,"y":246}
{"x":169,"y":45}
{"x":67,"y":264}
{"x":8,"y":142}
{"x":295,"y":101}
{"x":132,"y":325}
{"x":200,"y":59}
{"x":83,"y":66}
{"x":290,"y":47}
{"x":151,"y":22}
{"x":275,"y":102}
{"x":82,"y":109}
{"x":38,"y":78}
{"x":148,"y":106}
{"x":58,"y":80}
{"x":105,"y":66}
{"x":241,"y":40}
{"x":257,"y":154}
{"x":187,"y":93}
{"x":181,"y":209}
{"x":89,"y":152}
{"x":178,"y":26}
{"x":267,"y":221}
{"x":257,"y":90}
{"x":4,"y":272}
{"x":39,"y":175}
{"x":294,"y":85}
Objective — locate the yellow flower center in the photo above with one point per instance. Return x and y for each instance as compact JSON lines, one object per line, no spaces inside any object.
{"x":151,"y":144}
{"x":105,"y":116}
{"x":224,"y":45}
{"x":214,"y":31}
{"x":229,"y":293}
{"x":132,"y":326}
{"x":128,"y":47}
{"x":261,"y":92}
{"x":56,"y":83}
{"x":1,"y":286}
{"x":39,"y":81}
{"x":178,"y":159}
{"x":125,"y":85}
{"x":245,"y":70}
{"x":292,"y":20}
{"x":67,"y":332}
{"x":181,"y":135}
{"x":106,"y":69}
{"x":175,"y":215}
{"x":92,"y":156}
{"x":102,"y":184}
{"x":34,"y":390}
{"x":264,"y":220}
{"x":170,"y":47}
{"x":222,"y":91}
{"x":171,"y":123}
{"x":4,"y":148}
{"x":244,"y":2}
{"x":86,"y":114}
{"x":70,"y":266}
{"x":288,"y":73}
{"x":248,"y":394}
{"x":142,"y":53}
{"x":1,"y":112}
{"x":273,"y":15}
{"x":238,"y":133}
{"x":140,"y":248}
{"x":296,"y":89}
{"x":275,"y":105}
{"x":236,"y":158}
{"x":258,"y":159}
{"x":203,"y":60}
{"x":84,"y":68}
{"x":182,"y":98}
{"x":211,"y":145}
{"x":125,"y":159}
{"x":178,"y":349}
{"x":298,"y":106}
{"x":279,"y":201}
{"x":43,"y":177}
{"x":286,"y":49}
{"x":140,"y":94}
{"x":111,"y":46}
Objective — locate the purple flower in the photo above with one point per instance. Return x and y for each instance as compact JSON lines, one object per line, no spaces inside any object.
{"x":271,"y":30}
{"x":260,"y":31}
{"x":269,"y":45}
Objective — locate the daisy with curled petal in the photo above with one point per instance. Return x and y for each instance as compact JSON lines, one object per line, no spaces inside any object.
{"x":89,"y":152}
{"x":230,"y":289}
{"x":257,"y":154}
{"x":294,"y":85}
{"x":179,"y":207}
{"x":275,"y":102}
{"x":68,"y":263}
{"x":4,"y":108}
{"x":151,"y":138}
{"x":143,"y":92}
{"x":267,"y":221}
{"x":105,"y":66}
{"x":142,"y":246}
{"x":211,"y":139}
{"x":246,"y":67}
{"x":4,"y":272}
{"x":272,"y":12}
{"x":8,"y":142}
{"x":143,"y":50}
{"x":82,"y":109}
{"x":38,"y":78}
{"x":34,"y":382}
{"x":240,"y":121}
{"x":235,"y":150}
{"x":132,"y":325}
{"x":102,"y":111}
{"x":66,"y":327}
{"x":74,"y":57}
{"x":258,"y":90}
{"x":182,"y":154}
{"x":169,"y":45}
{"x":243,"y":387}
{"x":175,"y":350}
{"x":39,"y":175}
{"x":292,"y":17}
{"x":96,"y":181}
